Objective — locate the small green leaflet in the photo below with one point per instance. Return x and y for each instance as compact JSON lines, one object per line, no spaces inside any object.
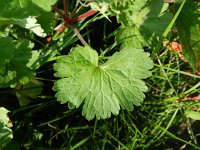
{"x":102,"y":87}
{"x":17,"y":61}
{"x":142,"y":21}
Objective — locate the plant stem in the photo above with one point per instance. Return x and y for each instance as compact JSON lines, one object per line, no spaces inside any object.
{"x":85,"y":15}
{"x":69,"y":21}
{"x":65,"y":8}
{"x":60,"y":13}
{"x":78,"y":35}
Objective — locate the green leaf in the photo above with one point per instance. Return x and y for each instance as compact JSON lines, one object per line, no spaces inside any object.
{"x":141,"y":21}
{"x":28,"y":91}
{"x":20,"y":9}
{"x":129,"y":12}
{"x":83,"y":141}
{"x":4,"y":31}
{"x":193,"y":114}
{"x":25,"y":13}
{"x":130,"y":37}
{"x":5,"y":131}
{"x":15,"y":60}
{"x":46,"y":21}
{"x":31,"y":24}
{"x":102,"y":87}
{"x":188,"y":25}
{"x":44,"y":4}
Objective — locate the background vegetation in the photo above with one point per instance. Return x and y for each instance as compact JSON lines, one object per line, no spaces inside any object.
{"x":33,"y":118}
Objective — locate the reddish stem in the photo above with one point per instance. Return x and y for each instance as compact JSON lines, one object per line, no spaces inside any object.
{"x":85,"y":15}
{"x":66,"y":19}
{"x":65,"y":8}
{"x":69,"y":21}
{"x":60,"y":13}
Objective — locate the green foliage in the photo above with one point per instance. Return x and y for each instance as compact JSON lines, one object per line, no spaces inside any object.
{"x":46,"y":21}
{"x":29,"y":91}
{"x":19,"y":9}
{"x":188,"y":25}
{"x":24,"y":12}
{"x":141,"y":23}
{"x":110,"y":74}
{"x":105,"y":87}
{"x":5,"y":131}
{"x":16,"y":61}
{"x":193,"y":114}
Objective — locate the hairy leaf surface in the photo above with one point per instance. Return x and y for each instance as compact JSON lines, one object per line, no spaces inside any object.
{"x":141,"y":21}
{"x":102,"y":87}
{"x":16,"y":61}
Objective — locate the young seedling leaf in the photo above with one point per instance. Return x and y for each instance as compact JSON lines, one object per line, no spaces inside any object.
{"x":103,"y":88}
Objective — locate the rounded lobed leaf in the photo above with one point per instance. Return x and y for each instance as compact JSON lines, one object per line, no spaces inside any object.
{"x":102,"y":88}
